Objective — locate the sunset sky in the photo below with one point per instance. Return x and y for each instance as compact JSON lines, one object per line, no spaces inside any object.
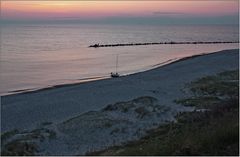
{"x":27,"y":10}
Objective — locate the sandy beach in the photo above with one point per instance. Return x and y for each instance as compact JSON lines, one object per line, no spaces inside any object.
{"x":94,"y":115}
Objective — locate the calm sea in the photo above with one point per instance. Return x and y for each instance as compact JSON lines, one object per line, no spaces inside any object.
{"x":35,"y":56}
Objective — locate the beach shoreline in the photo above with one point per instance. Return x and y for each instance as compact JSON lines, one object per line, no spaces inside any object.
{"x":72,"y":110}
{"x":154,"y":68}
{"x":97,"y":78}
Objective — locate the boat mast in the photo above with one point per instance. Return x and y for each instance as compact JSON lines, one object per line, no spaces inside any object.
{"x":117,"y":64}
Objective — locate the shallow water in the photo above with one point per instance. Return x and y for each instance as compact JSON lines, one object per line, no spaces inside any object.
{"x":39,"y":55}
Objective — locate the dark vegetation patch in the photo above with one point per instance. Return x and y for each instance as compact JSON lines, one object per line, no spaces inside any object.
{"x":19,"y":148}
{"x":6,"y":135}
{"x":24,"y":143}
{"x":142,"y":112}
{"x":212,"y":129}
{"x":225,"y":84}
{"x":127,"y":106}
{"x":46,"y":123}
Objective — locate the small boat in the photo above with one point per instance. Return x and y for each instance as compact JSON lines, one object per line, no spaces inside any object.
{"x":116,"y":74}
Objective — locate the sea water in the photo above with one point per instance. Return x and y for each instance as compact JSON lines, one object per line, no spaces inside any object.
{"x":34,"y":56}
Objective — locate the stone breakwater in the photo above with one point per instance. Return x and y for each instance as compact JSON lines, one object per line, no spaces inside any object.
{"x":162,"y":43}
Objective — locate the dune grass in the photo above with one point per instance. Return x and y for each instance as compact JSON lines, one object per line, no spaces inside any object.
{"x":16,"y":143}
{"x":212,"y":129}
